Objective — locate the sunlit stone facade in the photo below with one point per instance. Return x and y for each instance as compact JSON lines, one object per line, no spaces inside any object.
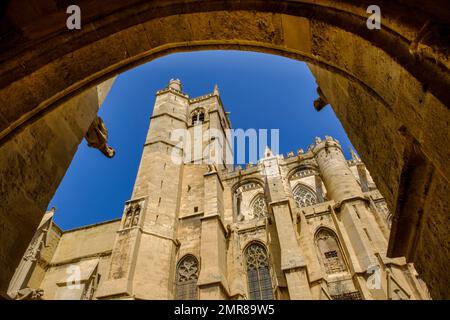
{"x":309,"y":225}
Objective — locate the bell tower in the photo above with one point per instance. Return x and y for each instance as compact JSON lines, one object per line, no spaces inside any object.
{"x":145,"y":244}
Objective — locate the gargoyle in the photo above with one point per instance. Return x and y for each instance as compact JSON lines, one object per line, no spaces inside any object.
{"x":321,"y":101}
{"x":97,"y":137}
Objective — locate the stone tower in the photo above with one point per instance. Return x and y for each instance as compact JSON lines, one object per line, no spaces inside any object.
{"x":150,"y":221}
{"x":309,"y":225}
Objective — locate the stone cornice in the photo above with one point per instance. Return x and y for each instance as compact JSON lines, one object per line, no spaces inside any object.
{"x":172,"y":90}
{"x":338,"y":205}
{"x":173,"y":145}
{"x":280,"y":203}
{"x":152,"y":233}
{"x":90,"y":226}
{"x":167,"y":115}
{"x":207,"y":174}
{"x":257,"y":225}
{"x":192,"y":215}
{"x":78,"y":259}
{"x":222,"y":282}
{"x":201,"y":98}
{"x":218,"y":217}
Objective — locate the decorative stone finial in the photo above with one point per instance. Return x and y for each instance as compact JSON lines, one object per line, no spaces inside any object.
{"x":175,"y":84}
{"x":216,"y":90}
{"x":268,"y":153}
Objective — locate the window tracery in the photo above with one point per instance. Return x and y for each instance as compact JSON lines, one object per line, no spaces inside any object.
{"x":259,"y":207}
{"x":258,"y":275}
{"x":304,"y":197}
{"x":186,"y":278}
{"x":197,"y":117}
{"x":132,"y":214}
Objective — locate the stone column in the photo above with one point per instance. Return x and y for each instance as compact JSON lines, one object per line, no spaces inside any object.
{"x":212,"y":282}
{"x":292,"y":262}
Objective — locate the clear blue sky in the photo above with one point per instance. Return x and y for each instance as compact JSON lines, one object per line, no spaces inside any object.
{"x":260,"y":91}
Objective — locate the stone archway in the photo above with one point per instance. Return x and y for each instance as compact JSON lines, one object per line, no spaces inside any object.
{"x":390,"y":95}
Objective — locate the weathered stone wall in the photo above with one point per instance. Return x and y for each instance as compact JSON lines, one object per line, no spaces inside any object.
{"x":69,"y":249}
{"x":86,"y":241}
{"x":192,"y":191}
{"x":378,"y":134}
{"x":32,"y":165}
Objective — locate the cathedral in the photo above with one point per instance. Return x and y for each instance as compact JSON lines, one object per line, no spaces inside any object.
{"x":306,"y":225}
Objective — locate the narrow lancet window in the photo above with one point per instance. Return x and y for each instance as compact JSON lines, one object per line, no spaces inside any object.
{"x":258,"y":275}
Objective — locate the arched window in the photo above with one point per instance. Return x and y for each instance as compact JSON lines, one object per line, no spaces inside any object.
{"x":198,"y":116}
{"x":304,"y":197}
{"x":258,"y":275}
{"x":259,"y":208}
{"x":186,"y":278}
{"x":330,"y":252}
{"x":245,"y":200}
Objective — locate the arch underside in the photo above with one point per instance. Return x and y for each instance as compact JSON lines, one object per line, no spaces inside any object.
{"x":393,"y":106}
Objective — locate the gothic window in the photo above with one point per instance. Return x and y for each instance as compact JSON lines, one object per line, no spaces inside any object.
{"x":186,"y":278}
{"x":304,"y":197}
{"x":258,"y":275}
{"x":198,"y":116}
{"x":330,"y":252}
{"x":132,"y":213}
{"x":248,"y":201}
{"x":259,"y":208}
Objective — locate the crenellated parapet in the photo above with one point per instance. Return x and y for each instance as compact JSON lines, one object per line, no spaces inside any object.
{"x":174,"y":87}
{"x":328,"y":142}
